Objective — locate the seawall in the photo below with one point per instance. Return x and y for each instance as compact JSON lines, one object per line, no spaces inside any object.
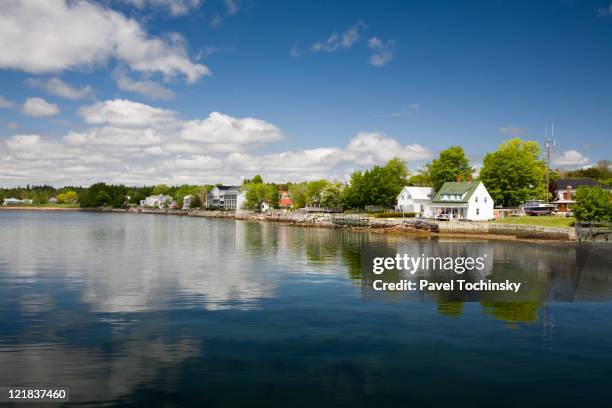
{"x":362,"y":221}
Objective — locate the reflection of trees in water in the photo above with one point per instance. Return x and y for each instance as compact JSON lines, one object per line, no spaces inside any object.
{"x":450,"y":309}
{"x":547,"y":272}
{"x":513,"y":312}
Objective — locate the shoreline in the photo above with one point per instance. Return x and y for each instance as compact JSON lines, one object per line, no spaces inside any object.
{"x":357,"y":222}
{"x":16,"y":208}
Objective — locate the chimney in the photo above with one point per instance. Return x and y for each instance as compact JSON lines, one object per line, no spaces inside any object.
{"x":469,"y":178}
{"x":458,"y":178}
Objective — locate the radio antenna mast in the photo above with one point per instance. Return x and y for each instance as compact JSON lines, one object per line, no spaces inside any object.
{"x":549,"y":143}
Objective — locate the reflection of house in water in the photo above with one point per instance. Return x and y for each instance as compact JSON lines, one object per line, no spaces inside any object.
{"x":548,"y":273}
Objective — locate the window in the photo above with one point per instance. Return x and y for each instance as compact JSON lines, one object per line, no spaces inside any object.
{"x":485,"y":199}
{"x":476,"y":199}
{"x":478,"y":211}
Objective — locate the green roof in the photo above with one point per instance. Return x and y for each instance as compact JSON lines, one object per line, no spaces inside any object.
{"x":463,"y":189}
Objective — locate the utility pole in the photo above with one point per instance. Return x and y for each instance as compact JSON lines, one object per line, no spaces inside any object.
{"x":549,"y":143}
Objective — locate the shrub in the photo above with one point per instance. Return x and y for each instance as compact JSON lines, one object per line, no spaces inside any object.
{"x":593,"y":204}
{"x":395,"y":215}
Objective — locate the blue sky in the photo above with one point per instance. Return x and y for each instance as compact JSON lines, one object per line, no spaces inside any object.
{"x":124,"y":89}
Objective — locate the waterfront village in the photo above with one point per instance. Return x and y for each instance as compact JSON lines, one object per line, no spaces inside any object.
{"x":513,"y":182}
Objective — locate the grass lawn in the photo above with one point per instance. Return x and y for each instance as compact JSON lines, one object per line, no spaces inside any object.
{"x":541,"y":220}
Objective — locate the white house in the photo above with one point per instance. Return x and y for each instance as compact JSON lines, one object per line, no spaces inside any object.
{"x":222,"y":198}
{"x":187,"y":202}
{"x":466,"y":200}
{"x":416,"y":200}
{"x":11,"y":201}
{"x":227,"y":198}
{"x":265,"y":206}
{"x":156,"y":201}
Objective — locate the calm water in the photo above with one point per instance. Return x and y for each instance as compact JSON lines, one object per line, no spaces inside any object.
{"x":153,"y":310}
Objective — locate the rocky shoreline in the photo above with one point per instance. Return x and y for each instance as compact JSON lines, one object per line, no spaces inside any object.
{"x":484,"y":230}
{"x":480,"y":230}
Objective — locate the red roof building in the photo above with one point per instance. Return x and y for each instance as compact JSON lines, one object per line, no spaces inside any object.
{"x":285,"y":199}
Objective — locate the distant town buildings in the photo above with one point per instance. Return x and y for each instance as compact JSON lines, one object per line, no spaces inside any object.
{"x":158,"y":201}
{"x":16,"y":201}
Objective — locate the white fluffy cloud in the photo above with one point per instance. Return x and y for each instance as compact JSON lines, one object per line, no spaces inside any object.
{"x":39,"y":108}
{"x":134,"y":143}
{"x":337,"y":41}
{"x":224,"y":133}
{"x":113,"y":136}
{"x":382,"y":51}
{"x":570,"y":158}
{"x":145,"y":87}
{"x":55,"y":35}
{"x":57,"y":87}
{"x":34,"y":148}
{"x":375,"y":148}
{"x":125,"y":113}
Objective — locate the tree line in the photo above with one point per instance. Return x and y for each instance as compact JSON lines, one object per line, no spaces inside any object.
{"x":512,"y":174}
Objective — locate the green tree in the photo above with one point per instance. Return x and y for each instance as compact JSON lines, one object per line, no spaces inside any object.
{"x":70,"y":197}
{"x":376,"y":186}
{"x":297,"y":192}
{"x":161,"y":189}
{"x":39,"y":197}
{"x":257,"y":179}
{"x":102,"y":194}
{"x":313,"y":191}
{"x":514,"y":173}
{"x":257,"y":193}
{"x":331,"y":196}
{"x":103,"y":198}
{"x":450,"y":166}
{"x":419,"y":180}
{"x":593,"y":204}
{"x":185,"y":190}
{"x":195,"y":202}
{"x":601,"y":172}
